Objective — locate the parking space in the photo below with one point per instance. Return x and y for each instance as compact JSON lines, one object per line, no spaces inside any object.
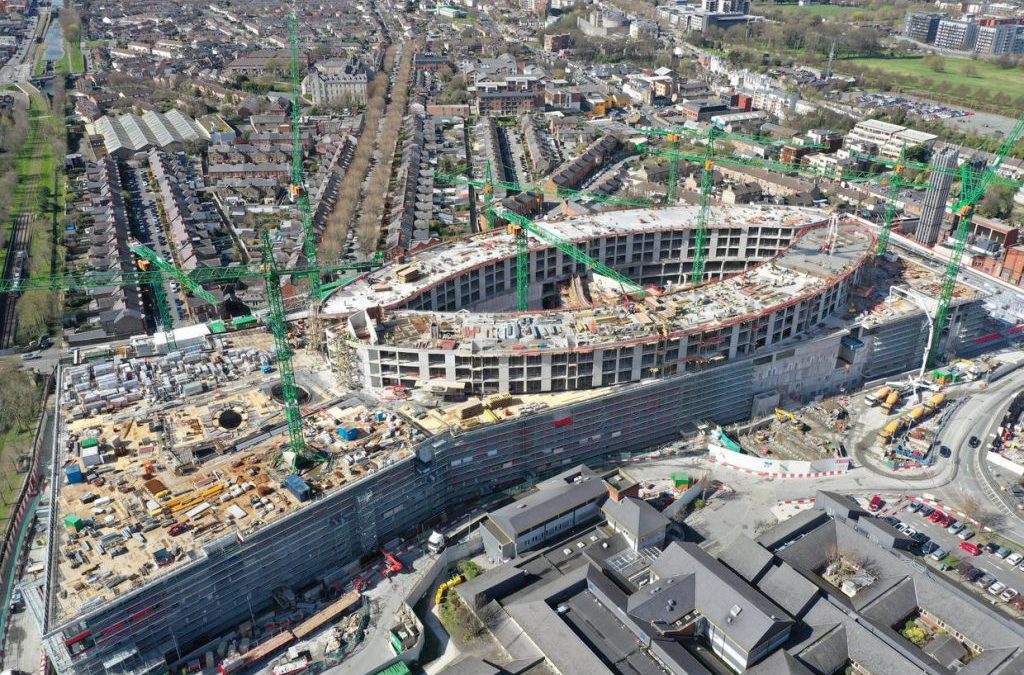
{"x":1004,"y":566}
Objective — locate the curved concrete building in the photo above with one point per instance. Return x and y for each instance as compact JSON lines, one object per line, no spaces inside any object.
{"x":767,"y":281}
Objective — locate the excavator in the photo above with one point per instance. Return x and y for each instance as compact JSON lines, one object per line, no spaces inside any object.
{"x":784,"y":415}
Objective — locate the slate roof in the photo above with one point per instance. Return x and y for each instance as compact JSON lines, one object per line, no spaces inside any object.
{"x":635,"y":515}
{"x":551,"y":498}
{"x":746,"y":557}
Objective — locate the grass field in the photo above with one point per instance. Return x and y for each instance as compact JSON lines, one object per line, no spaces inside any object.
{"x":823,"y":11}
{"x":11,"y":445}
{"x":964,"y":79}
{"x":73,"y":54}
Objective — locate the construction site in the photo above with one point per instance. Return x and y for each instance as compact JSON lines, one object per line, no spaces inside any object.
{"x":185,"y":514}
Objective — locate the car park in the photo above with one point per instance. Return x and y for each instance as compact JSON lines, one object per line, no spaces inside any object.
{"x":1008,"y":594}
{"x":996,"y":588}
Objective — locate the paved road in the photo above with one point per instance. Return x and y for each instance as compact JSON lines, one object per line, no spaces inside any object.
{"x":980,"y":416}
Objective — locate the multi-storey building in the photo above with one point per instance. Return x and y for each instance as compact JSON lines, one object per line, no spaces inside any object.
{"x":922,"y":26}
{"x":890,"y":139}
{"x":1000,"y":38}
{"x":934,"y":210}
{"x":331,"y":82}
{"x":775,"y":323}
{"x":956,"y":35}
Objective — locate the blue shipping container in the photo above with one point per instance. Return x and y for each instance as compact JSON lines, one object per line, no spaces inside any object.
{"x":74,"y":474}
{"x":350,"y":434}
{"x":297,"y":487}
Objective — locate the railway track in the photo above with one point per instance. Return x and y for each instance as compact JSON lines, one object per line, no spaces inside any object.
{"x":14,"y":266}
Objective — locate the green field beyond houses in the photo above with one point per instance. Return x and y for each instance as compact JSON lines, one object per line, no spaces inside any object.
{"x":944,"y":78}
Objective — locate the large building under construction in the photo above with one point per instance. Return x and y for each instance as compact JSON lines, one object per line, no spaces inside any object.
{"x":174,"y":517}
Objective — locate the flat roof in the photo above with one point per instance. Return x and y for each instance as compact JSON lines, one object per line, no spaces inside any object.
{"x":115,"y":416}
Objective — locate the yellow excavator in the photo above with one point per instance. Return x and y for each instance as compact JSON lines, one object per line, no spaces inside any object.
{"x":784,"y":415}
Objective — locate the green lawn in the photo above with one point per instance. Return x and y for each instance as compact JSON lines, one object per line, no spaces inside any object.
{"x":76,"y":61}
{"x":823,"y":11}
{"x":962,"y":79}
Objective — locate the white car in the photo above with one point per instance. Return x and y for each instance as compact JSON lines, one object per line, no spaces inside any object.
{"x":996,"y":588}
{"x":1008,"y":594}
{"x":1015,"y":559}
{"x":909,"y":531}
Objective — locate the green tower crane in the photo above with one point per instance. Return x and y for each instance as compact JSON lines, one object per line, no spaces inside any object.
{"x":973,"y":188}
{"x":300,"y":194}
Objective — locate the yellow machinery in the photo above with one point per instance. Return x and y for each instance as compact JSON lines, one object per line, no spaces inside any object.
{"x":890,"y":430}
{"x":890,"y":402}
{"x":935,"y":402}
{"x":879,"y":396}
{"x":783,"y":415}
{"x":443,"y":588}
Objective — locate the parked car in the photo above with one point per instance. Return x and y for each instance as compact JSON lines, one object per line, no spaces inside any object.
{"x":974,"y":575}
{"x":1002,"y":552}
{"x":973,"y":549}
{"x":936,"y":516}
{"x":996,"y":588}
{"x":939,"y":553}
{"x":947,"y":521}
{"x":892,"y":520}
{"x":926,"y":510}
{"x":985,"y":580}
{"x":920,"y":537}
{"x":991,"y":547}
{"x":1015,"y":558}
{"x":966,"y":533}
{"x":927,"y":547}
{"x":1008,"y":594}
{"x":957,"y":528}
{"x":914,"y":506}
{"x":909,"y":531}
{"x":876,"y":503}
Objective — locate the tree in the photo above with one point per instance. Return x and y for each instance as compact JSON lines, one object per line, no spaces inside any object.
{"x":997,"y":202}
{"x":970,"y":70}
{"x":935,"y":63}
{"x":19,"y":397}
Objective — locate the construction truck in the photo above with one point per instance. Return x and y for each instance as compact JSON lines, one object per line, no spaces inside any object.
{"x":879,"y":396}
{"x":890,"y":430}
{"x":935,"y":402}
{"x":915,"y":415}
{"x":436,"y":542}
{"x":890,"y":402}
{"x":783,"y":415}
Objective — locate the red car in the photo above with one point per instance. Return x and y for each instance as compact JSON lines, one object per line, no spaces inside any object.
{"x":970,"y":548}
{"x":948,"y":521}
{"x":937,"y":516}
{"x":876,"y":503}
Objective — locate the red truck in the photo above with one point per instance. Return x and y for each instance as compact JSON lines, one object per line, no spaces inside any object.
{"x":876,"y":503}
